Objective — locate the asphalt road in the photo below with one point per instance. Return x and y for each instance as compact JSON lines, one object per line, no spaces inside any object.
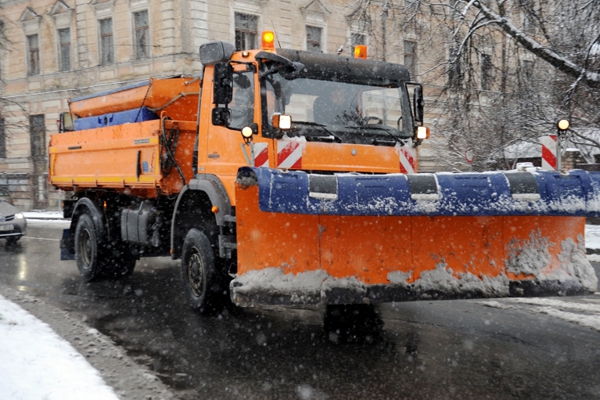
{"x":472,"y":349}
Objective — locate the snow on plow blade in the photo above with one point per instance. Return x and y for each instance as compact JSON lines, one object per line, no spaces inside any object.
{"x":349,"y":238}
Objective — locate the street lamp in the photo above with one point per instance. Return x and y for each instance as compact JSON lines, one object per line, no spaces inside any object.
{"x":562,"y":126}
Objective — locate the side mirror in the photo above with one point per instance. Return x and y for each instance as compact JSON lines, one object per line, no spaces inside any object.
{"x":221,"y":116}
{"x":214,"y":52}
{"x":419,"y":103}
{"x":223,"y":83}
{"x":65,"y":123}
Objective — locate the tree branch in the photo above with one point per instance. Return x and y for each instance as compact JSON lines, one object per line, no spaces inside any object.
{"x":561,"y":63}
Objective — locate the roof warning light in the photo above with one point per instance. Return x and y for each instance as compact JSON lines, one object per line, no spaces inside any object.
{"x":360,"y":51}
{"x":268,"y":40}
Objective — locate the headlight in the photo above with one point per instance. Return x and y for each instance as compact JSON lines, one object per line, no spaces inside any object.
{"x":19,"y":216}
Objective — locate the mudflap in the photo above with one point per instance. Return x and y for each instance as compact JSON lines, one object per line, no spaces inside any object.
{"x":363,"y":240}
{"x":66,"y":246}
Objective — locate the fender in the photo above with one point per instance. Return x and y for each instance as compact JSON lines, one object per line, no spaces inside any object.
{"x":214,"y":189}
{"x":68,"y":240}
{"x":97,"y":215}
{"x":212,"y":186}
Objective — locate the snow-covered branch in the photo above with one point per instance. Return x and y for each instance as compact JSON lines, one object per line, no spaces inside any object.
{"x":552,"y":57}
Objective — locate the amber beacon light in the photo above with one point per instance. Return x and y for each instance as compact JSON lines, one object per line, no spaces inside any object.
{"x":360,"y":51}
{"x":268,"y":40}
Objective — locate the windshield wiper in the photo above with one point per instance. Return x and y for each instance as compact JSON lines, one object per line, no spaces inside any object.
{"x":332,"y":136}
{"x":379,"y":128}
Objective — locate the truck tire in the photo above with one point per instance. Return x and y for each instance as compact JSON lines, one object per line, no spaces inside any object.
{"x":201,"y":280}
{"x":12,"y":240}
{"x":86,"y":249}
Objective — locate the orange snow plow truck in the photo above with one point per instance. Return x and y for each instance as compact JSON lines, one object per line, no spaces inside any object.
{"x":288,"y":177}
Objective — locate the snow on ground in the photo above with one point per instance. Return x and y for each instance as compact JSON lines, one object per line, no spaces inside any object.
{"x":43,"y":214}
{"x":592,"y":241}
{"x":35,"y":363}
{"x":585,"y":313}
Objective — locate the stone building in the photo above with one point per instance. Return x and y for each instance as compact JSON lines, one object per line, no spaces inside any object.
{"x":53,"y":50}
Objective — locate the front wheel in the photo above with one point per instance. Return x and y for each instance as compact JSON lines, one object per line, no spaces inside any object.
{"x":202,"y":282}
{"x":12,"y":240}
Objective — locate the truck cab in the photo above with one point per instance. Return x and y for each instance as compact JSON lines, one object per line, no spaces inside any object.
{"x":299,"y":110}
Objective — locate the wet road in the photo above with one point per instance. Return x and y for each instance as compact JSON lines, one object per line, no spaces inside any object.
{"x":428,"y":350}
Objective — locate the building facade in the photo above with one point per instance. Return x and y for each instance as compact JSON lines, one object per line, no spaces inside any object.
{"x":53,"y":50}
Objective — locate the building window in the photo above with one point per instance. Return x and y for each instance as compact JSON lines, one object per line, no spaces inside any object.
{"x":313,"y":38}
{"x":64,"y":49}
{"x":454,"y":70}
{"x":528,"y":23}
{"x":2,"y":139}
{"x":528,"y":69}
{"x":410,"y":3}
{"x":357,"y":39}
{"x":246,"y":31}
{"x":3,"y":36}
{"x":486,"y":71}
{"x":106,"y":42}
{"x":142,"y":44}
{"x":410,"y":57}
{"x":37,"y":130}
{"x":33,"y":59}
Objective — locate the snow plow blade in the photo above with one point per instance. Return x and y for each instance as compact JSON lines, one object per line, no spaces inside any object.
{"x":348,"y":238}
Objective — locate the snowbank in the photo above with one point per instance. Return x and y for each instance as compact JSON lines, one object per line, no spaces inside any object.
{"x":35,"y":363}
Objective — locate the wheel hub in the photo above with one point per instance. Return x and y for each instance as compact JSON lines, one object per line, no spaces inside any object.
{"x":196,"y":274}
{"x":85,"y":249}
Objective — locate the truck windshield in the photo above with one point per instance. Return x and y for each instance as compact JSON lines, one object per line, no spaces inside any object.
{"x":339,"y":111}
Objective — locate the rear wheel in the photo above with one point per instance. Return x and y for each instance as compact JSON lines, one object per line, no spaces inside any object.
{"x":96,"y":259}
{"x":86,"y":249}
{"x":203,"y":284}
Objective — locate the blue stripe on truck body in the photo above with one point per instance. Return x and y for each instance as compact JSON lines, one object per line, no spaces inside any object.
{"x":116,"y":118}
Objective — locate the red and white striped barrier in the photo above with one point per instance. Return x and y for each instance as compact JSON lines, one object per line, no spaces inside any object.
{"x":548,"y":152}
{"x":289,"y":153}
{"x":408,"y":159}
{"x":260,"y":152}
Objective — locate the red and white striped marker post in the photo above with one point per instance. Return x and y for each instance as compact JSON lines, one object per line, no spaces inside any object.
{"x":549,"y":152}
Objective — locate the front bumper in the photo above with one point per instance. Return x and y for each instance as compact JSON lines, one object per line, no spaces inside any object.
{"x":13,"y":227}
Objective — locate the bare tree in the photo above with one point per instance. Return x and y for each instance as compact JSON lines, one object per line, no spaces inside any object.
{"x":549,"y":66}
{"x":563,"y":34}
{"x":499,"y":72}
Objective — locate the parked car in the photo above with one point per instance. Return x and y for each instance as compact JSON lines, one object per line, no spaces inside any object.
{"x":12,"y":223}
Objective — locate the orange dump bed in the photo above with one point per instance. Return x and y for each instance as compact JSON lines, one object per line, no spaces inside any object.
{"x":177,"y":97}
{"x":126,"y":157}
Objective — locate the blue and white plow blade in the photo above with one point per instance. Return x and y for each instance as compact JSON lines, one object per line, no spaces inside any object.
{"x":542,"y":193}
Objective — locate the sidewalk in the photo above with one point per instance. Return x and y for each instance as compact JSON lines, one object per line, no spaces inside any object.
{"x":64,"y":359}
{"x":46,"y":353}
{"x":38,"y":364}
